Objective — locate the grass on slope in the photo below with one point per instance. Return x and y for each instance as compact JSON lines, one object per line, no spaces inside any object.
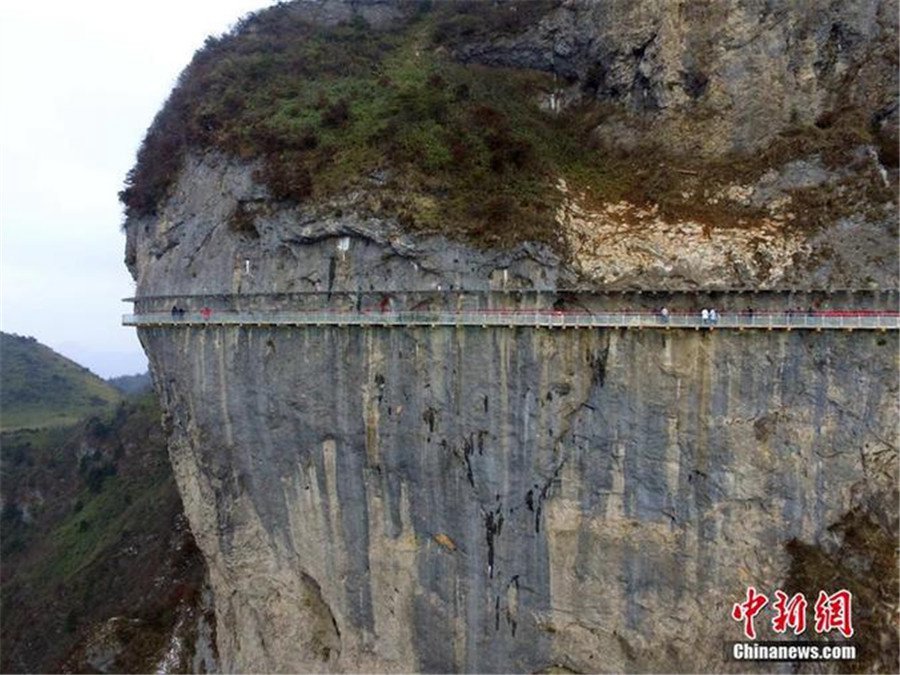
{"x":40,"y":388}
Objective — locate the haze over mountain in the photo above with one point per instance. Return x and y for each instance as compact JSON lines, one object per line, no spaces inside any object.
{"x":132,"y":384}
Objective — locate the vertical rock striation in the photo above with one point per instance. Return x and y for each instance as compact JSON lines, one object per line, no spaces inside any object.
{"x":500,"y":500}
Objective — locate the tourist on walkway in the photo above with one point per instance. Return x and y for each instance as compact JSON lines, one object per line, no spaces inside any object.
{"x":704,"y":316}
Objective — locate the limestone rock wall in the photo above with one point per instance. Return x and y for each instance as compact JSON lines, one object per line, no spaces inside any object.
{"x":509,"y":499}
{"x":502,"y":500}
{"x":194,"y":246}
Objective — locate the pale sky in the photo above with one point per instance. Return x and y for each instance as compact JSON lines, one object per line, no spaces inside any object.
{"x":80,"y":83}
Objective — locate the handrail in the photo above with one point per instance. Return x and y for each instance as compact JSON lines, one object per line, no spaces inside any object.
{"x":552,"y":291}
{"x":828,"y":319}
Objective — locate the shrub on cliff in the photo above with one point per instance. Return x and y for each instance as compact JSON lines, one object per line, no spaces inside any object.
{"x":322,"y":108}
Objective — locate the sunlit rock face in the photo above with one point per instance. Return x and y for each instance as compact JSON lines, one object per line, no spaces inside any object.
{"x":521,"y":499}
{"x":625,"y":245}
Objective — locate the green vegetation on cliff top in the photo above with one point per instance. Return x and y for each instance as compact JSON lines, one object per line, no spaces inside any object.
{"x":40,"y":388}
{"x":454,"y":146}
{"x":462,"y":149}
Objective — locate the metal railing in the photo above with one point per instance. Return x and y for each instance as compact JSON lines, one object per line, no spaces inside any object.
{"x":541,"y":318}
{"x":548,"y":291}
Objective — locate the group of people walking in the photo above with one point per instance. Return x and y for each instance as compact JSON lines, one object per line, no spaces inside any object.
{"x":708,"y":316}
{"x":179,"y":312}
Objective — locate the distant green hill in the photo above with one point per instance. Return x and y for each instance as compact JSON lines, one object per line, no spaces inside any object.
{"x":40,"y":388}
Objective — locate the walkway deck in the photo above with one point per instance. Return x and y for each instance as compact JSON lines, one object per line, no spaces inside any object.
{"x":825,"y":320}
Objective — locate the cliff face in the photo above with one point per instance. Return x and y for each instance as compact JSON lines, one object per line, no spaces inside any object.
{"x":503,"y":500}
{"x":508,"y":500}
{"x":520,"y":499}
{"x":650,"y":144}
{"x":488,"y":499}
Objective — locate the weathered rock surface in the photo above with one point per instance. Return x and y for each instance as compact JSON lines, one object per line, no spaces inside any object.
{"x":624,"y":245}
{"x":714,"y":77}
{"x":611,"y":246}
{"x":506,"y":500}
